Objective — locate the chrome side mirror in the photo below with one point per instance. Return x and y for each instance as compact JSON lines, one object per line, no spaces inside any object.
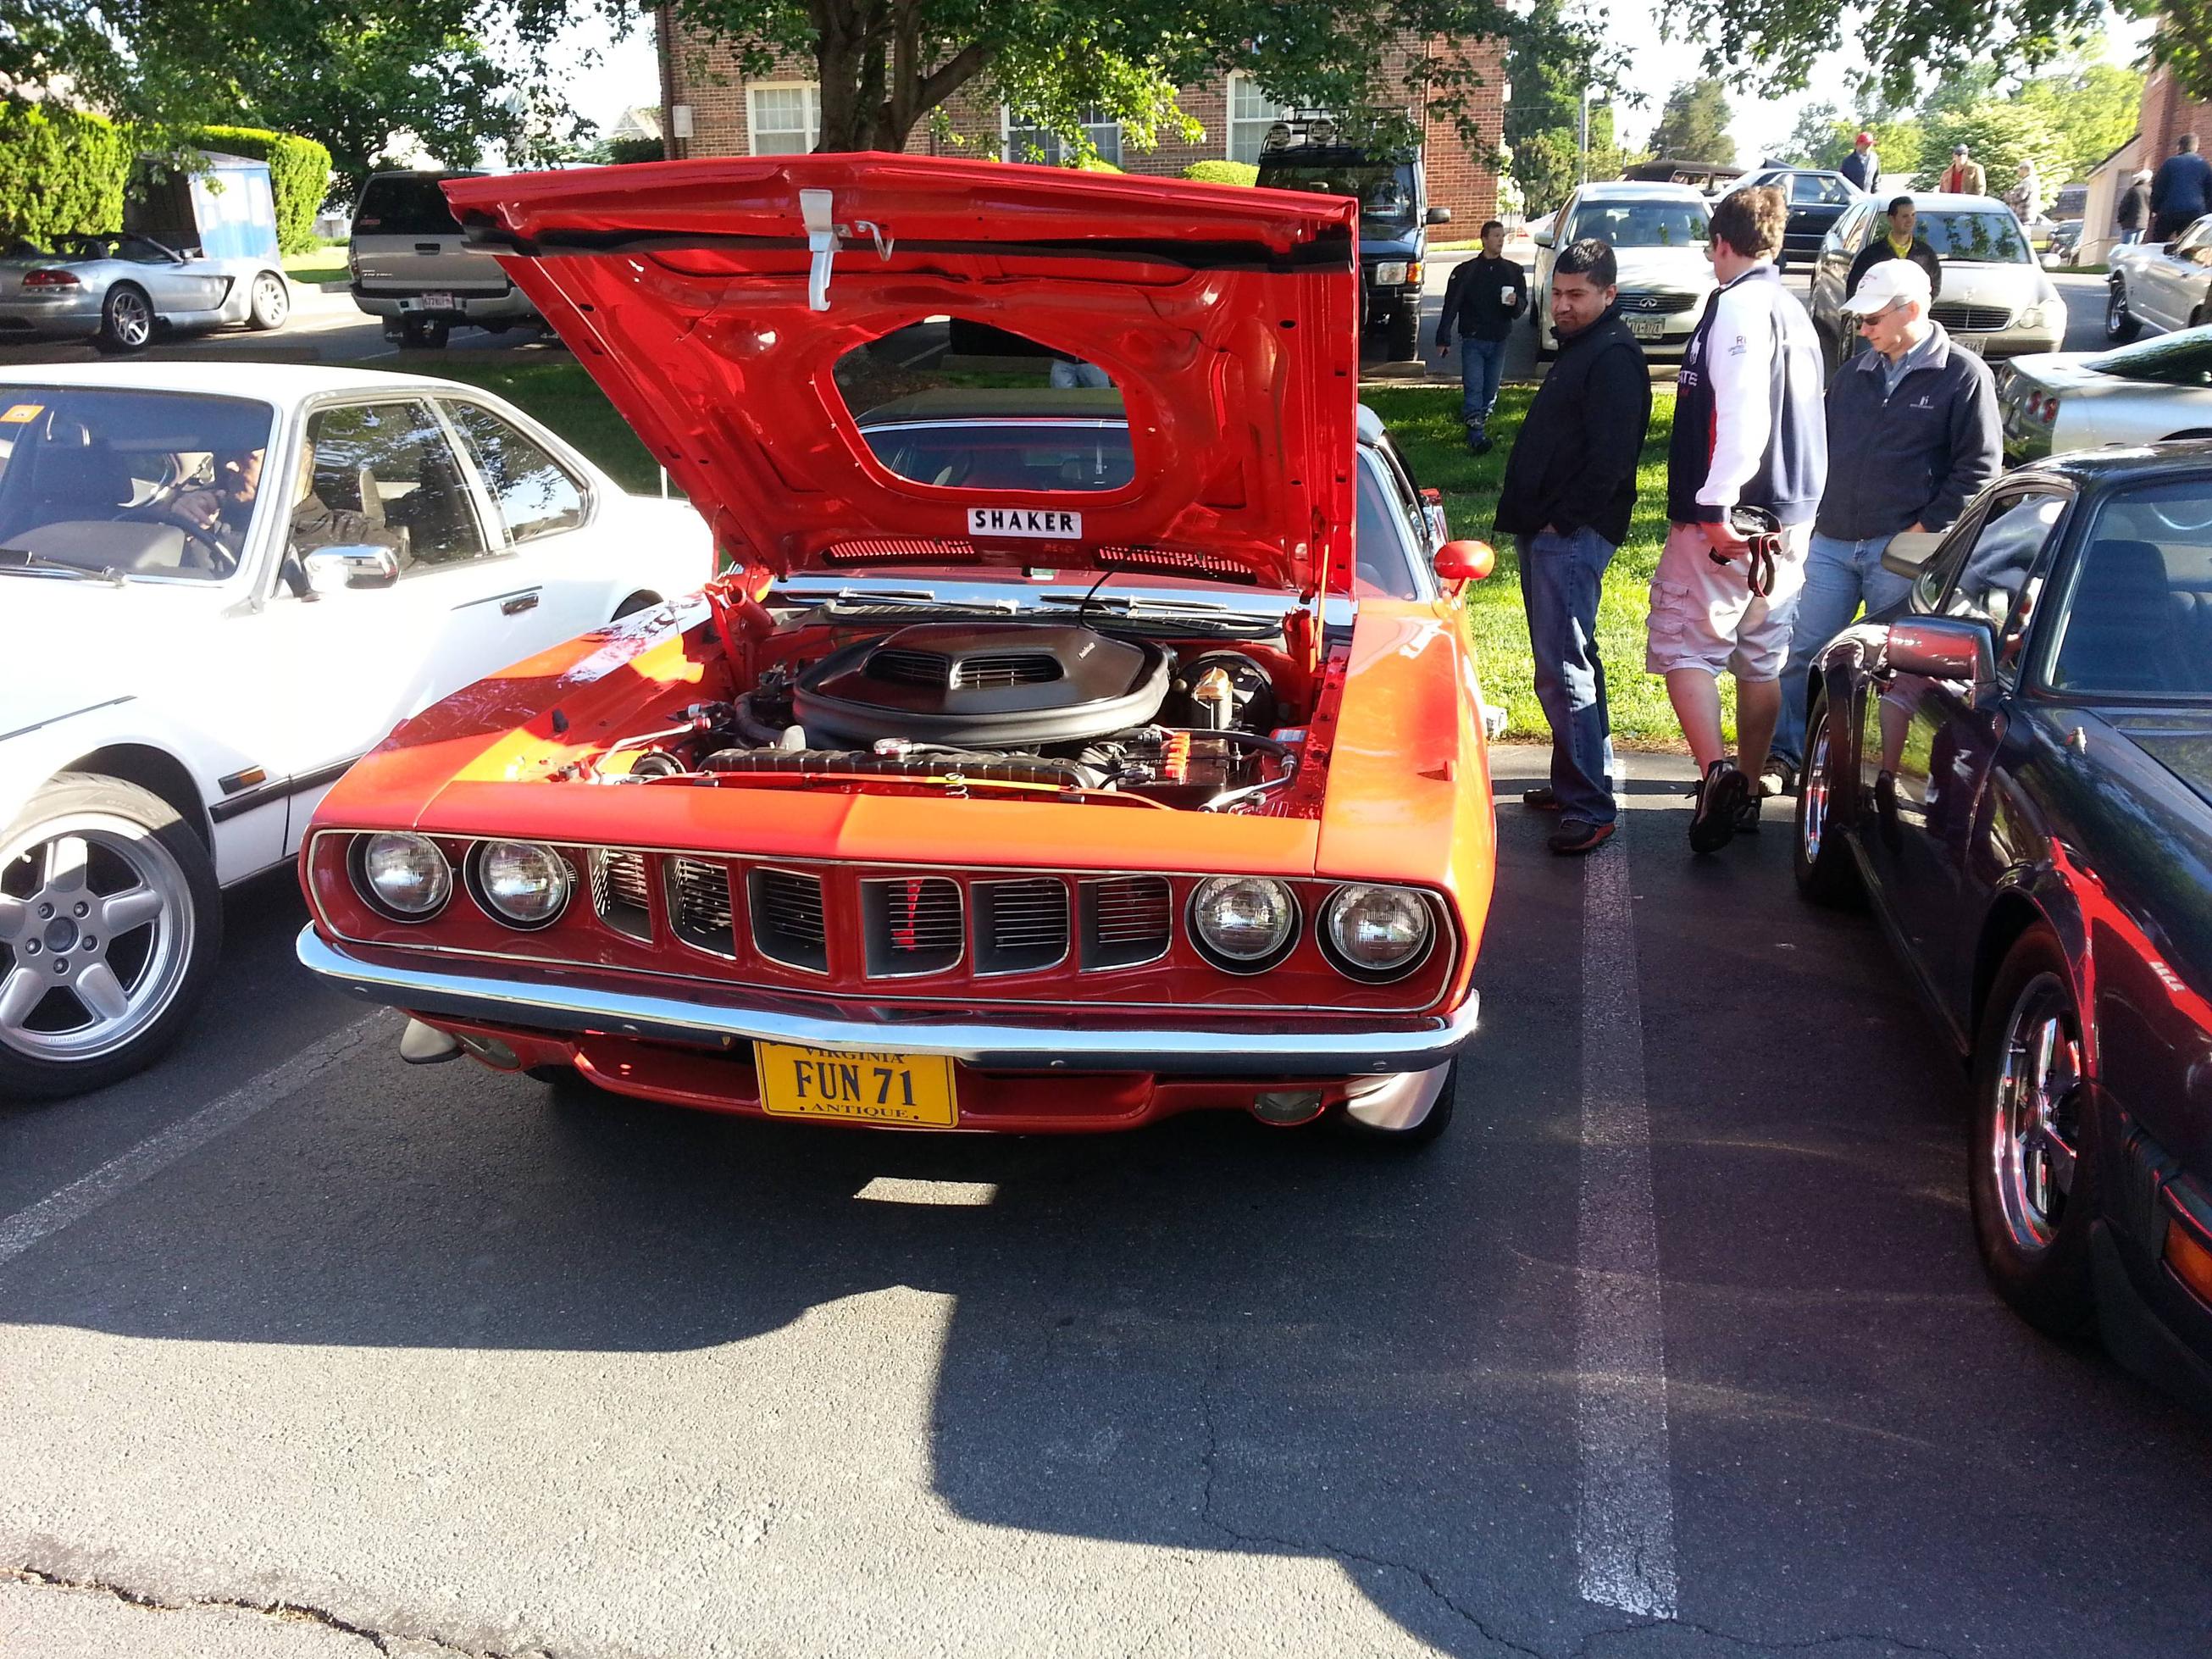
{"x":1949,"y":649}
{"x":333,"y":570}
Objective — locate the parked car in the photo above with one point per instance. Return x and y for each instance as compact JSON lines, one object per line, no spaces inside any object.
{"x":1995,"y":299}
{"x":1658,"y":232}
{"x":1026,"y":777}
{"x":2019,"y":772}
{"x":1708,"y":179}
{"x":2064,"y":247}
{"x":1394,"y":216}
{"x":2138,"y":394}
{"x":1817,"y":197}
{"x":412,"y":267}
{"x":118,"y":292}
{"x":197,"y":649}
{"x":2167,"y":285}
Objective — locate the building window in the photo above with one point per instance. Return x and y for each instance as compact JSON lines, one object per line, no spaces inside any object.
{"x":786,"y":118}
{"x":1025,"y":141}
{"x":1250,"y":114}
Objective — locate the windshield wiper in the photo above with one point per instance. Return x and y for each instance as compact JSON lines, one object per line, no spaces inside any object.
{"x":30,"y":563}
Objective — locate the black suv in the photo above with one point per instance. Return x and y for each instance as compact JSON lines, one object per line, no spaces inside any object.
{"x":1394,"y":216}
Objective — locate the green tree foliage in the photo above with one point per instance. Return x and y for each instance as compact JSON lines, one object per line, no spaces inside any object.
{"x":1551,"y":56}
{"x":2091,"y":112}
{"x":1820,"y":139}
{"x":299,"y":176}
{"x":1999,"y":133}
{"x":1693,"y":124}
{"x":60,"y":172}
{"x":2184,"y":44}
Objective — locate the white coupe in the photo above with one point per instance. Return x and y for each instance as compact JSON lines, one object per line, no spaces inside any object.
{"x":223,"y":585}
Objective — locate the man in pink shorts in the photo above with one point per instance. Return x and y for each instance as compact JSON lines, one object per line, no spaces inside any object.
{"x":1749,"y":433}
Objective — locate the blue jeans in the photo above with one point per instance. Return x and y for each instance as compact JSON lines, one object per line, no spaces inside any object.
{"x":2130,"y":238}
{"x":1839,"y":576}
{"x":1481,"y":366}
{"x":1560,"y":576}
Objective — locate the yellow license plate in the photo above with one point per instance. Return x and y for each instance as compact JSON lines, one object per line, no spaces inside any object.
{"x":912,"y":1090}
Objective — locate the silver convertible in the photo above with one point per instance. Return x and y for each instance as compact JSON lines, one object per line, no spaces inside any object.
{"x":116,"y":291}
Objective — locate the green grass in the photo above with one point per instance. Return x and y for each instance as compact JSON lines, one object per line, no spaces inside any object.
{"x":321,"y":264}
{"x":1426,"y":422}
{"x":557,"y":391}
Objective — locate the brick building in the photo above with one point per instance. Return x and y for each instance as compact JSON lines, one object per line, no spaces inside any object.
{"x":716,"y":110}
{"x":2166,"y":113}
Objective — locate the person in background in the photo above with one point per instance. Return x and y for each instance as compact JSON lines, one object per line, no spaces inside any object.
{"x":1913,"y":435}
{"x":2133,"y":214}
{"x":1570,"y":489}
{"x":1748,"y":435}
{"x":2181,"y":192}
{"x":1863,"y":166}
{"x":2025,"y":198}
{"x":1484,"y":296}
{"x":1901,"y":240}
{"x":1965,"y":176}
{"x":1069,"y":372}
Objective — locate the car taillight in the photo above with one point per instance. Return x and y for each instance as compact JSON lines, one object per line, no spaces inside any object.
{"x":2049,"y":409}
{"x":51,"y":279}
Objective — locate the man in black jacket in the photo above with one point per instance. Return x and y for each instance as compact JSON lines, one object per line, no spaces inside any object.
{"x":1570,"y":488}
{"x":1484,"y":296}
{"x":1899,"y":239}
{"x":2181,"y":193}
{"x":1913,"y":435}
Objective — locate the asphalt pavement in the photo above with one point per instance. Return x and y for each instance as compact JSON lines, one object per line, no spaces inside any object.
{"x":1675,"y":1345}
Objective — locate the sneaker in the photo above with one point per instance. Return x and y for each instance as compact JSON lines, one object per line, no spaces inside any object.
{"x":1778,"y":777}
{"x":1481,"y":447}
{"x":1541,"y":799}
{"x":1747,"y":816}
{"x":1721,"y":796}
{"x":1574,"y":837}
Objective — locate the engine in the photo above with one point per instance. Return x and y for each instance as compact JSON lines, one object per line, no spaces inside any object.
{"x":1029,"y":705}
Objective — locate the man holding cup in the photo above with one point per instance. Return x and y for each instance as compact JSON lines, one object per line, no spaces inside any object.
{"x":1484,"y":296}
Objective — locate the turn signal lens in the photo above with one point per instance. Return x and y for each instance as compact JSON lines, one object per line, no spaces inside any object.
{"x":404,"y":876}
{"x":2190,"y":1261}
{"x":1243,"y":923}
{"x":522,"y":882}
{"x":1376,"y":932}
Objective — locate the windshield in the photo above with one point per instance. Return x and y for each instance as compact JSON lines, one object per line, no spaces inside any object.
{"x":1642,"y":224}
{"x":406,"y":205}
{"x":1987,"y":239}
{"x":1385,"y":191}
{"x":2183,"y":358}
{"x":2136,"y":621}
{"x":141,"y":483}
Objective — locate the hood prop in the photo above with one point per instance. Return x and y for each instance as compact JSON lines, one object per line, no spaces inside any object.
{"x":823,"y":235}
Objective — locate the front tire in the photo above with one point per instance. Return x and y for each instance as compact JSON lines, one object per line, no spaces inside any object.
{"x":2032,"y":1168}
{"x":2121,"y":324}
{"x":269,"y":302}
{"x":126,"y":321}
{"x":1403,"y":338}
{"x":1822,"y":862}
{"x":110,"y":925}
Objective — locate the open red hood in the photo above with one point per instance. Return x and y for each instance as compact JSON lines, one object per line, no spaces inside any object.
{"x":1230,"y":318}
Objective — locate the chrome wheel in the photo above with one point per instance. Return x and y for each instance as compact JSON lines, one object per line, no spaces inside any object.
{"x":1812,"y":789}
{"x":129,"y":318}
{"x":2035,"y":1132}
{"x":96,"y":935}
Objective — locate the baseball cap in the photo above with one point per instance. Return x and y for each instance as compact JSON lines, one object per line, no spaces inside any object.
{"x":1885,"y":283}
{"x":1958,"y":149}
{"x":1865,"y":139}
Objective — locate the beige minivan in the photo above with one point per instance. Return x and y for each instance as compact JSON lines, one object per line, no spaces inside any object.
{"x":412,"y":266}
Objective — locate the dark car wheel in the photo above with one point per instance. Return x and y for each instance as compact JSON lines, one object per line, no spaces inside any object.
{"x":110,"y":925}
{"x":1823,"y":863}
{"x":1404,"y":338}
{"x":2032,"y":1173}
{"x":126,"y":320}
{"x":2120,"y":324}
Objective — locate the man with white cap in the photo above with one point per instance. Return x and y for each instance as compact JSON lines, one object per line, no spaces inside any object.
{"x":1913,"y":435}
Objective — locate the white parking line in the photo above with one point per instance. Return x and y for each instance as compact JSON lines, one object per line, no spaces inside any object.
{"x":1624,"y":1530}
{"x":155,"y":1153}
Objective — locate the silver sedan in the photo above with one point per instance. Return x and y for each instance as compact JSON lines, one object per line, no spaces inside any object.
{"x":2140,"y":394}
{"x":118,"y":291}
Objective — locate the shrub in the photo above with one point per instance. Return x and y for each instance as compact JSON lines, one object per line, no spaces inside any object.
{"x":1223,"y":173}
{"x":626,"y":152}
{"x":299,"y":175}
{"x":1095,"y":164}
{"x":61,"y":171}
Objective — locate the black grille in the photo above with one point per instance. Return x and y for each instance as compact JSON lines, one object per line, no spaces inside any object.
{"x":1021,"y":926}
{"x":618,"y":892}
{"x":1975,"y":319}
{"x":983,"y":672}
{"x":699,"y":905}
{"x":787,"y":913}
{"x":1662,"y":305}
{"x":910,"y":667}
{"x":912,"y":924}
{"x":1126,"y":920}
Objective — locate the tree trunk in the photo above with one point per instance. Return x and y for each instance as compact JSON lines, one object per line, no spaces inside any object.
{"x":869,"y":57}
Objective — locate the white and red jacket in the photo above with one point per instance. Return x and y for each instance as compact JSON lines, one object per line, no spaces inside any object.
{"x":1749,"y":429}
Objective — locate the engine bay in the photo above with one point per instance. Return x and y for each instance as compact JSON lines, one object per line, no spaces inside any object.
{"x":1004,"y":707}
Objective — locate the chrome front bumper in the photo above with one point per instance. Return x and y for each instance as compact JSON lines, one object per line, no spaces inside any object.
{"x":1240,"y":1047}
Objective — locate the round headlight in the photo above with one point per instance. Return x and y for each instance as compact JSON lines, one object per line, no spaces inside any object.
{"x":404,"y":876}
{"x":1376,"y":932}
{"x":522,"y":882}
{"x":1244,"y":923}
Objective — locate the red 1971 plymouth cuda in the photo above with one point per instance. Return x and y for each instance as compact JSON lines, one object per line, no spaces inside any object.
{"x":1047,"y":759}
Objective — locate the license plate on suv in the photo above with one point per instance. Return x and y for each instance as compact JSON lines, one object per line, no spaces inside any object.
{"x":1647,"y":328}
{"x":913,"y":1091}
{"x":429,"y":302}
